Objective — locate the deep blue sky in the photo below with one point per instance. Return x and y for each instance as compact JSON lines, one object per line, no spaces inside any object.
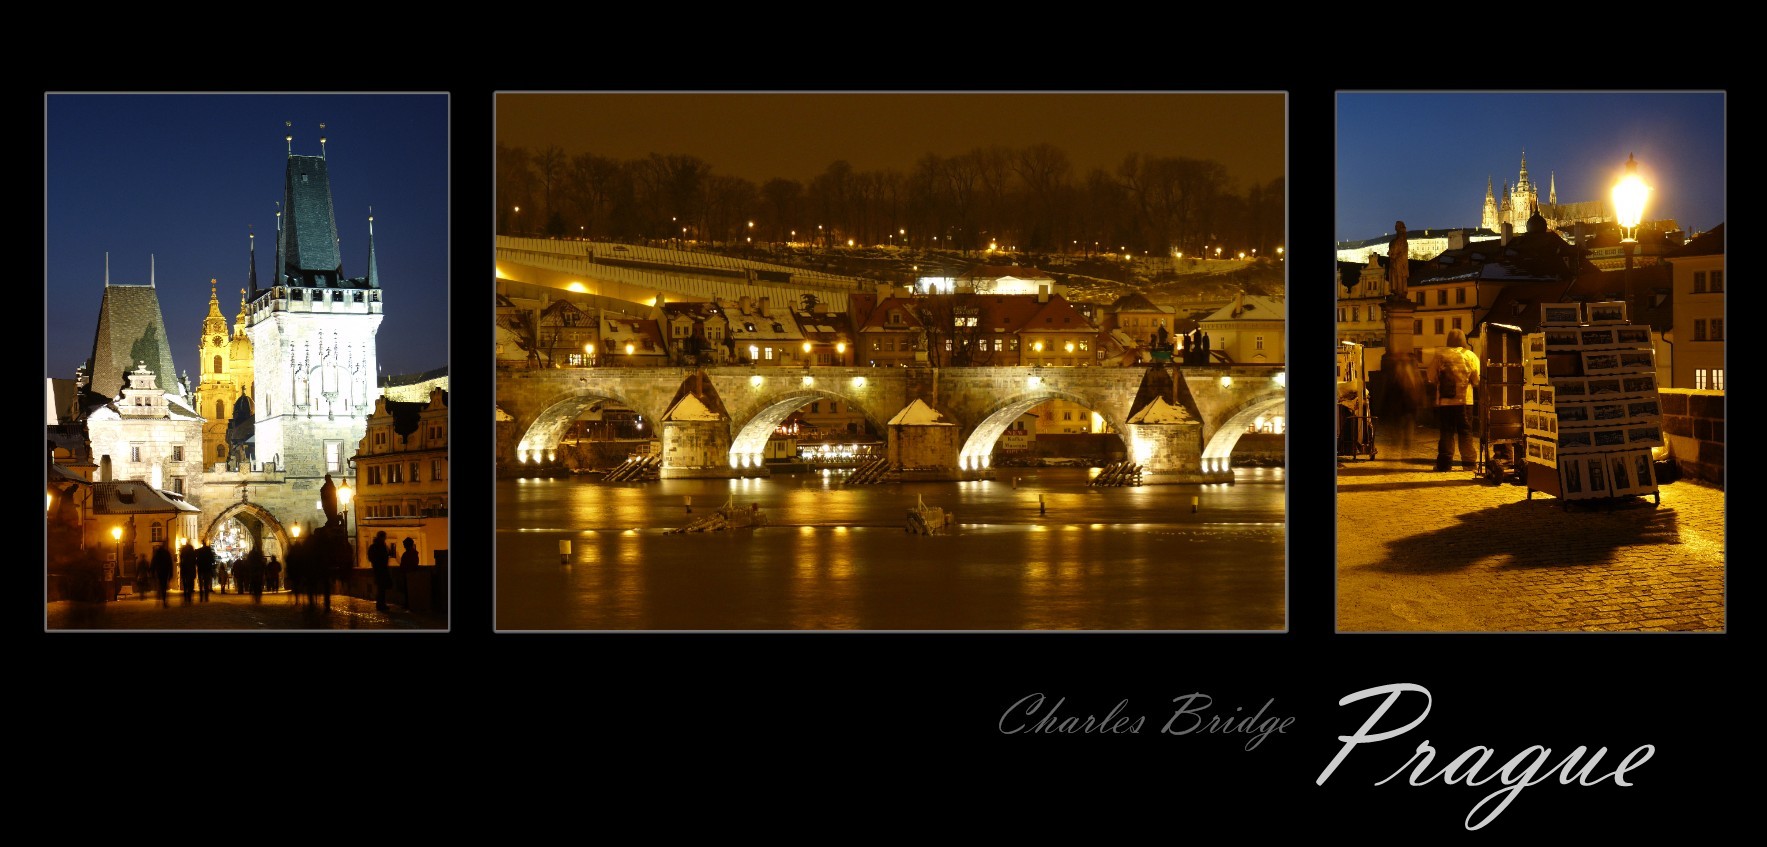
{"x":182,"y":176}
{"x":1424,"y":158}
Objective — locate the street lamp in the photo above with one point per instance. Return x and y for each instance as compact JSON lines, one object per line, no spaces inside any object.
{"x":1629,"y":195}
{"x":588,"y":355}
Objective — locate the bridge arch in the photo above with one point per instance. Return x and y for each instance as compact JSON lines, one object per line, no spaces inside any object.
{"x":1218,"y":450}
{"x":978,"y":448}
{"x":748,"y":438}
{"x":540,"y":433}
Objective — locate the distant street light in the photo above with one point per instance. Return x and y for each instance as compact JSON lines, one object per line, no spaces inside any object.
{"x":1629,"y":195}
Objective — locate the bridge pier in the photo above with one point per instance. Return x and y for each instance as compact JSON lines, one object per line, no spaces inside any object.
{"x":696,"y":449}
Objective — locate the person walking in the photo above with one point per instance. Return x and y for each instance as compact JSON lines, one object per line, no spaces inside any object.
{"x":187,"y":572}
{"x":273,"y":575}
{"x":1402,"y":398}
{"x":162,"y":571}
{"x":252,"y":579}
{"x":408,"y":570}
{"x":205,"y":571}
{"x":1455,"y":373}
{"x":378,"y":556}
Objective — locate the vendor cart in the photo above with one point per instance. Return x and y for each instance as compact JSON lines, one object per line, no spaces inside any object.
{"x":1502,"y":441}
{"x":1355,"y":411}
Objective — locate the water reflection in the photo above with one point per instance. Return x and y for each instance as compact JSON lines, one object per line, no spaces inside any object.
{"x":839,"y":558}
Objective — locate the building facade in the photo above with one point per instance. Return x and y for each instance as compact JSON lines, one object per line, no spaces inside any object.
{"x":1698,"y":284}
{"x":402,"y":476}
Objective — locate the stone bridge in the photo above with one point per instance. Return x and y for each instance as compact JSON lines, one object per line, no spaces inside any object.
{"x":725,"y":433}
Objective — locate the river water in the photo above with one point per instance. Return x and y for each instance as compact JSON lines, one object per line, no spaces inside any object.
{"x":836,"y":558}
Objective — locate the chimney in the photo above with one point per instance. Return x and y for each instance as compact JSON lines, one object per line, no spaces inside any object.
{"x":1508,"y":233}
{"x":1457,"y":239}
{"x":1042,"y":293}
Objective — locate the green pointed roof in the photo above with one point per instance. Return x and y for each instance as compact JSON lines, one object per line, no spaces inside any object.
{"x":130,"y":330}
{"x":309,"y":228}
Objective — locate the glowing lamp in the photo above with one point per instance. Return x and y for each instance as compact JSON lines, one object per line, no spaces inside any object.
{"x":1629,"y":195}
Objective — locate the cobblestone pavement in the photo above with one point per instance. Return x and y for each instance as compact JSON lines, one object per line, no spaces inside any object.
{"x":1420,"y":550}
{"x":232,"y":612}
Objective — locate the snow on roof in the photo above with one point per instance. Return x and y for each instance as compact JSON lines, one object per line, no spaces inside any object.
{"x":918,"y":413}
{"x":691,"y":409}
{"x":1161,"y":412}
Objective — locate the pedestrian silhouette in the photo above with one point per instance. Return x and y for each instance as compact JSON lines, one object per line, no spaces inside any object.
{"x":378,"y":554}
{"x":162,"y":571}
{"x":187,"y":571}
{"x":408,"y":569}
{"x":205,"y":571}
{"x":254,"y":574}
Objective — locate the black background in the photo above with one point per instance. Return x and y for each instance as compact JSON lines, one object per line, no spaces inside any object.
{"x":878,"y":728}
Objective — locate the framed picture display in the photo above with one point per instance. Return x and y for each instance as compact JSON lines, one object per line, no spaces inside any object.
{"x":1603,"y":362}
{"x":1546,"y":395}
{"x":1561,"y":314}
{"x":1648,"y":435}
{"x":1596,"y":338}
{"x":1633,"y":336}
{"x":1537,"y":371}
{"x":1575,"y":439}
{"x":1611,"y":386}
{"x":1569,"y":388}
{"x":1560,"y":340}
{"x":1575,"y":414}
{"x":1607,"y":312}
{"x":1607,"y":414}
{"x":1638,"y":360}
{"x":1531,"y":395}
{"x":1643,"y":410}
{"x":1643,"y":470}
{"x":1534,"y":345}
{"x":1570,"y":478}
{"x":1596,"y":466}
{"x":1609,"y":438}
{"x":1639,"y":384}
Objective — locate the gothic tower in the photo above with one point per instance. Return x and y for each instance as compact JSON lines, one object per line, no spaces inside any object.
{"x":225,"y":360}
{"x":1488,"y":219}
{"x":312,"y":336}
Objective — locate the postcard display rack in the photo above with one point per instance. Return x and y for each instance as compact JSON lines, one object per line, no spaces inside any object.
{"x":1590,"y":409}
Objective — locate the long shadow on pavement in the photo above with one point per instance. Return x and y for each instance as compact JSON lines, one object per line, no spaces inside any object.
{"x":1531,"y":533}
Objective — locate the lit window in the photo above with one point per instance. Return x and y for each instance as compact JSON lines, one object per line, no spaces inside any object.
{"x":1717,"y":379}
{"x":1699,"y":378}
{"x":158,"y":532}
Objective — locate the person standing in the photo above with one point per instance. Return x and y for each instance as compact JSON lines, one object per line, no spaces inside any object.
{"x":162,"y":571}
{"x":408,"y":569}
{"x":205,"y":571}
{"x":187,"y":572}
{"x":1455,"y":373}
{"x":252,"y":578}
{"x":378,"y":556}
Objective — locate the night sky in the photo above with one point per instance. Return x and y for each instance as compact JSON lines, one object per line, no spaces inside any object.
{"x":1424,"y":158}
{"x":181,"y":177}
{"x":796,"y":135}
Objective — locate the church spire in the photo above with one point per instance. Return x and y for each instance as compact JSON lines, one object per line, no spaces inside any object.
{"x":150,"y":271}
{"x":1521,"y":183}
{"x":321,"y":139}
{"x":1552,"y":188}
{"x":252,"y":267}
{"x":107,"y":269}
{"x":373,"y":269}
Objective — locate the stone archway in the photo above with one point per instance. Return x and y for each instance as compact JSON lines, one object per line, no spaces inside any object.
{"x":978,"y":448}
{"x":748,"y":440}
{"x":1218,"y":451}
{"x":274,"y":536}
{"x":537,"y":437}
